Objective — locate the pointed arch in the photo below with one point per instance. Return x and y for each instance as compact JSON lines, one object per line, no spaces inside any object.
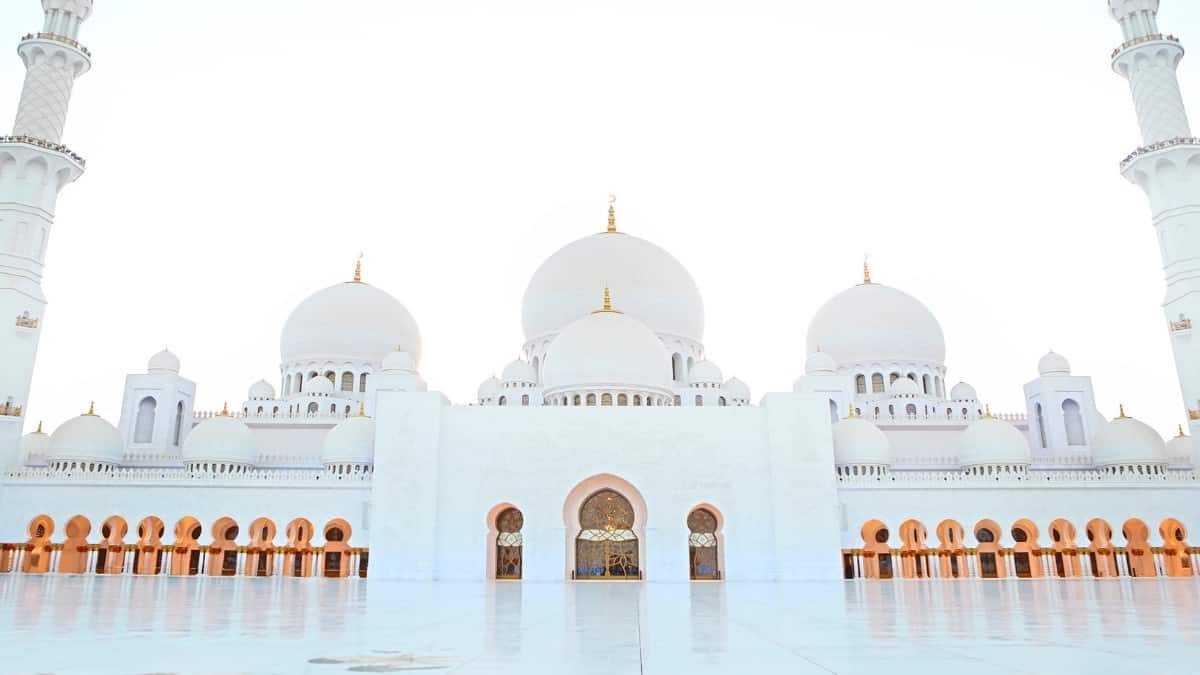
{"x":185,"y":552}
{"x":572,"y":512}
{"x":143,"y":428}
{"x":1101,"y":556}
{"x":706,"y":550}
{"x":223,"y":551}
{"x":260,"y":554}
{"x":914,"y":562}
{"x":1062,"y":543}
{"x":148,"y":554}
{"x":110,"y":556}
{"x":38,"y":550}
{"x":298,"y":555}
{"x":504,"y":542}
{"x":1027,"y":560}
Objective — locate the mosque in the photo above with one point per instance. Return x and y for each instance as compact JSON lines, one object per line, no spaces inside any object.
{"x":615,"y":447}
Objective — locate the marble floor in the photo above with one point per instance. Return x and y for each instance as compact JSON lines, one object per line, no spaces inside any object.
{"x":99,"y":625}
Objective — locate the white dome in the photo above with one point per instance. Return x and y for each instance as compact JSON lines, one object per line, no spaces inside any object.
{"x":857,"y":441}
{"x":990,"y":441}
{"x":87,"y":438}
{"x":873,"y":322}
{"x":260,"y":391}
{"x":1180,"y":446}
{"x":963,"y":392}
{"x":34,"y":447}
{"x":318,"y":385}
{"x":399,"y":362}
{"x":650,"y":285}
{"x":349,"y":321}
{"x":607,"y":349}
{"x":163,"y":362}
{"x":737,"y":390}
{"x":905,"y":387}
{"x":820,"y":363}
{"x":1127,"y":441}
{"x":489,"y":387}
{"x":1053,"y":364}
{"x":705,"y":372}
{"x":221,"y":439}
{"x":519,"y":371}
{"x":350,"y":442}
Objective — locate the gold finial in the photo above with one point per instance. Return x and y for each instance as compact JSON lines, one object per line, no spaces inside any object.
{"x":39,"y":429}
{"x":91,"y":409}
{"x":362,"y":409}
{"x":1181,"y":434}
{"x":987,"y":411}
{"x":225,"y":409}
{"x":852,"y":414}
{"x":866,"y":271}
{"x":612,"y":214}
{"x":358,"y":270}
{"x":607,"y":307}
{"x":1122,"y":416}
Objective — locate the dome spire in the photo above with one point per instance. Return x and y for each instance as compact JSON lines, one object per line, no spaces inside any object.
{"x":358,"y":269}
{"x":607,"y":306}
{"x":866,"y":271}
{"x":1181,"y":434}
{"x":362,"y":409}
{"x":39,"y":429}
{"x":987,"y":411}
{"x":91,"y":409}
{"x":1122,"y":416}
{"x":852,"y":413}
{"x":612,"y":214}
{"x":224,"y":409}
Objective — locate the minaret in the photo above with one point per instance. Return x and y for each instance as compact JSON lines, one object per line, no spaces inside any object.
{"x":34,"y":167}
{"x":1167,"y":168}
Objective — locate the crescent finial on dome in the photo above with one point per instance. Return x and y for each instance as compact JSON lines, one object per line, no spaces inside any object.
{"x":612,"y":214}
{"x":1122,"y":416}
{"x":607,"y":306}
{"x":362,"y":409}
{"x":987,"y":411}
{"x":224,"y":409}
{"x":1181,"y":434}
{"x":39,"y":429}
{"x":358,"y":270}
{"x":91,"y":409}
{"x":866,"y":271}
{"x":852,"y":413}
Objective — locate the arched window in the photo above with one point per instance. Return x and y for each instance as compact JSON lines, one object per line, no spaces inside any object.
{"x":622,"y":399}
{"x":299,"y":382}
{"x":925,"y":384}
{"x":677,"y":367}
{"x":833,"y":411}
{"x":524,"y":399}
{"x":722,"y":402}
{"x":941,"y":392}
{"x":637,"y":399}
{"x":910,"y":409}
{"x":1041,"y":424}
{"x":893,"y":377}
{"x":503,"y":400}
{"x":699,"y":399}
{"x":275,"y":410}
{"x":332,"y":408}
{"x":313,"y":408}
{"x":331,"y":376}
{"x":591,"y":399}
{"x":1074,"y":422}
{"x":892,"y":410}
{"x":143,"y":431}
{"x":702,"y":545}
{"x":860,"y":384}
{"x":576,"y":400}
{"x":178,"y":430}
{"x":287,"y":385}
{"x":877,"y":383}
{"x":509,"y":543}
{"x":362,"y":382}
{"x":347,"y":381}
{"x":260,"y":410}
{"x":606,"y":546}
{"x":606,"y":399}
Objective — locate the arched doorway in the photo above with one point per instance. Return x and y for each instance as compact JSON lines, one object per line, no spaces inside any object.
{"x":877,"y":554}
{"x":1066,"y":556}
{"x":335,"y":560}
{"x":148,"y":553}
{"x":1101,"y":556}
{"x":703,"y":554}
{"x":1139,"y":557}
{"x":110,"y":555}
{"x":1027,"y":561}
{"x":38,"y":549}
{"x":185,"y":552}
{"x":951,"y":551}
{"x":914,"y":559}
{"x":509,"y":543}
{"x":606,"y":546}
{"x":298,"y":556}
{"x":260,"y":554}
{"x":1176,"y":556}
{"x":989,"y":551}
{"x":223,"y":551}
{"x":74,"y":556}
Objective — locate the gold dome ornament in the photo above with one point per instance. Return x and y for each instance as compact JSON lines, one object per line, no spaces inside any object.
{"x":224,"y":410}
{"x":91,"y":409}
{"x":866,"y":271}
{"x":612,"y":214}
{"x":987,"y":411}
{"x":607,"y":307}
{"x":1122,"y":415}
{"x":362,"y":409}
{"x":358,"y":270}
{"x":1181,"y":434}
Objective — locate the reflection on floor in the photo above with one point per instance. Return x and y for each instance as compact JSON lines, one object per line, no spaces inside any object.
{"x":97,"y":625}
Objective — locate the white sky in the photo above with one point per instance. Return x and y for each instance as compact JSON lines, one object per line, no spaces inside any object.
{"x":241,"y":154}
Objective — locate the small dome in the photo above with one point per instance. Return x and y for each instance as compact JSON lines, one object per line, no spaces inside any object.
{"x":607,"y":349}
{"x":87,"y":438}
{"x":873,"y":322}
{"x":163,"y":362}
{"x":350,"y":442}
{"x":399,"y":362}
{"x":857,"y":441}
{"x":705,"y":372}
{"x":1053,"y":364}
{"x":489,"y":387}
{"x":34,"y":447}
{"x":737,"y":390}
{"x":261,"y":391}
{"x":963,"y":392}
{"x":221,"y":439}
{"x":519,"y":371}
{"x":820,"y":363}
{"x":1127,"y":441}
{"x":318,"y":385}
{"x":990,"y":441}
{"x":905,"y":387}
{"x":1178,"y":447}
{"x":353,"y":321}
{"x":651,"y":285}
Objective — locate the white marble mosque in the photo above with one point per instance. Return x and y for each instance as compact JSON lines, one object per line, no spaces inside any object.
{"x":615,"y":448}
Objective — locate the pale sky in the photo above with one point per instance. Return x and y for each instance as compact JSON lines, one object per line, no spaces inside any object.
{"x":241,"y":154}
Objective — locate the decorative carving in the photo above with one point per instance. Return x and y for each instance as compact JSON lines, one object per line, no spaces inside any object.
{"x":1182,"y":324}
{"x":24,"y":320}
{"x":10,"y":410}
{"x":606,"y":547}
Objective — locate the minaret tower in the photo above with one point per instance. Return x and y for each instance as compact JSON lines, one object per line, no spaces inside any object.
{"x":34,"y":167}
{"x":1167,"y":168}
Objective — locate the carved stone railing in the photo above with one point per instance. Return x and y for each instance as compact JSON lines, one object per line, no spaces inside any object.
{"x":282,"y":415}
{"x":39,"y":143}
{"x":1035,"y":478}
{"x":1182,"y":324}
{"x":1155,"y":147}
{"x":8,"y":410}
{"x":1156,"y":37}
{"x":58,"y":38}
{"x":1065,"y":562}
{"x":181,"y":475}
{"x":190,"y":560}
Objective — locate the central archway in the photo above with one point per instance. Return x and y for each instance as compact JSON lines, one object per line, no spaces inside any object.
{"x":606,"y":519}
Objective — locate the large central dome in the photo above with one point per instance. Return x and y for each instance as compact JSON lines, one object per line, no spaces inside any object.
{"x":354,"y":321}
{"x":873,"y":322}
{"x":653,"y":287}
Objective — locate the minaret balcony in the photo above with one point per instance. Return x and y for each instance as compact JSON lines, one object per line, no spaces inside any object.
{"x":1180,"y":326}
{"x":58,"y":38}
{"x":1194,"y":415}
{"x":1157,"y":37}
{"x":1156,"y":147}
{"x":9,"y":410}
{"x":46,"y":145}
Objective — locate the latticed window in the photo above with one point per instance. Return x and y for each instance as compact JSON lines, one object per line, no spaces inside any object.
{"x":877,"y":383}
{"x":606,"y":547}
{"x":509,"y":543}
{"x":702,"y":545}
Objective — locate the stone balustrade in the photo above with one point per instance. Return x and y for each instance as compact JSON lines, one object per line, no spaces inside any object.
{"x":1155,"y":147}
{"x":47,"y":145}
{"x":58,"y":38}
{"x":1157,"y":37}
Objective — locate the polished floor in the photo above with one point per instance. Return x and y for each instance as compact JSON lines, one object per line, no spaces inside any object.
{"x":98,"y":625}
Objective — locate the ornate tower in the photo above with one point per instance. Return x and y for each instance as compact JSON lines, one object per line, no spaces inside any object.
{"x":1167,"y":168}
{"x":34,"y":167}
